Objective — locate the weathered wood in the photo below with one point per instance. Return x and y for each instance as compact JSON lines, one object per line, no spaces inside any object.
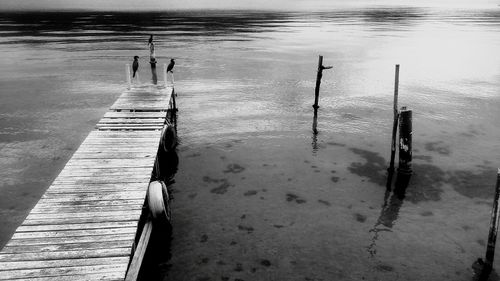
{"x":63,"y":247}
{"x":73,"y":233}
{"x":63,"y":271}
{"x":405,"y":141}
{"x":125,"y":238}
{"x":141,"y":115}
{"x":4,"y":266}
{"x":104,"y":276}
{"x":84,"y":226}
{"x":395,"y":122}
{"x":140,"y":251}
{"x":88,"y":209}
{"x":94,"y":253}
{"x":106,"y":225}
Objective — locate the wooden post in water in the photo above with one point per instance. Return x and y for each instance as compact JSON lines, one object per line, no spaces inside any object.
{"x":318,"y":82}
{"x":405,"y":139}
{"x":316,"y":91}
{"x":492,"y":237}
{"x":153,"y":71}
{"x":395,"y":123}
{"x":127,"y":74}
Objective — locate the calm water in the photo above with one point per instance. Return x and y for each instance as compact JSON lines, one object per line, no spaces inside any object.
{"x":245,"y":82}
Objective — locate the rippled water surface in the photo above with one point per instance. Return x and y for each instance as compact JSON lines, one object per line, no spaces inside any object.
{"x":245,"y":84}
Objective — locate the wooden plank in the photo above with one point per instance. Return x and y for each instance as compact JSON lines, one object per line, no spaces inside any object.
{"x":140,"y":252}
{"x":119,"y":177}
{"x":94,"y":253}
{"x":63,"y":271}
{"x":111,"y":214}
{"x":57,"y":191}
{"x":107,"y":276}
{"x":125,"y":238}
{"x":108,"y":185}
{"x":130,"y":124}
{"x":138,"y":121}
{"x":105,"y":225}
{"x":4,"y":266}
{"x":67,"y":246}
{"x":143,"y":115}
{"x":73,"y":233}
{"x":98,"y":134}
{"x":128,"y":128}
{"x":80,"y":209}
{"x":94,"y":197}
{"x":92,"y":203}
{"x":40,"y":221}
{"x":102,"y":172}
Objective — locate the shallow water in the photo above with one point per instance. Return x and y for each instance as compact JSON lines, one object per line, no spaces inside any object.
{"x":245,"y":82}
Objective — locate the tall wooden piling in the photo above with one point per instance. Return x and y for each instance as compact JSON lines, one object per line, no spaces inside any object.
{"x":405,"y":141}
{"x":395,"y":122}
{"x":492,"y":237}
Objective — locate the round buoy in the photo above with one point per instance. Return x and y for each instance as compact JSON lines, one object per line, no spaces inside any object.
{"x":158,"y":201}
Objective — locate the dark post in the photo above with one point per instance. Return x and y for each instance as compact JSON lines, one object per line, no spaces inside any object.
{"x":405,"y":138}
{"x":315,"y":121}
{"x":492,"y":237}
{"x":316,"y":92}
{"x":153,"y":71}
{"x":318,"y":81}
{"x":395,"y":123}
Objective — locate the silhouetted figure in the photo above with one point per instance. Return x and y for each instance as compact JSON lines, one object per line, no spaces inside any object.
{"x":150,"y":39}
{"x":170,"y":66}
{"x":135,"y":65}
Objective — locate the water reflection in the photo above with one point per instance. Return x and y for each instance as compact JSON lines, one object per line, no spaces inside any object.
{"x":390,"y":210}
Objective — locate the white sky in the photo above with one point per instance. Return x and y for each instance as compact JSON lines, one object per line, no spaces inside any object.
{"x":227,"y":4}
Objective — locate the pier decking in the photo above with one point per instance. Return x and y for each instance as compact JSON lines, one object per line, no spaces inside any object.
{"x":84,"y":226}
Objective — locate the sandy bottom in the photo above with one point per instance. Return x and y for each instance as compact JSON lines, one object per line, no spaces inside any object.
{"x":294,"y":207}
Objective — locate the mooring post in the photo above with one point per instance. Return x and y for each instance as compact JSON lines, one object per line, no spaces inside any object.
{"x":492,"y":237}
{"x":127,"y":74}
{"x":316,"y":91}
{"x":395,"y":123}
{"x":165,"y":74}
{"x":405,"y":139}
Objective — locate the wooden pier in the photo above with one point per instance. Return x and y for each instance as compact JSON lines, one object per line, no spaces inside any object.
{"x":84,"y":226}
